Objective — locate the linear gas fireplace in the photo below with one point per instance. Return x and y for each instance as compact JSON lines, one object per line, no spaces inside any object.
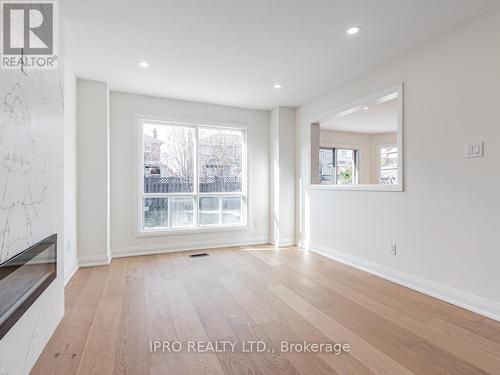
{"x":23,"y":278}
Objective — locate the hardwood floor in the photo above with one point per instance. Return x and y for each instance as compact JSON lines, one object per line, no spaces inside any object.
{"x":259,"y":293}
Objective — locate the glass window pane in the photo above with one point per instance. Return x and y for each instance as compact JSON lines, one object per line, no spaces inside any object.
{"x":389,"y":165}
{"x":168,"y":158}
{"x":389,"y":177}
{"x":389,"y":157}
{"x":181,"y":212}
{"x":231,"y":210}
{"x":345,"y":167}
{"x":209,"y":211}
{"x":326,"y":165}
{"x":220,"y":159}
{"x":155,"y":213}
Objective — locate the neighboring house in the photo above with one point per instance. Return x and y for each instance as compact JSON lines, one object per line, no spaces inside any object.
{"x":220,"y":156}
{"x":152,"y":155}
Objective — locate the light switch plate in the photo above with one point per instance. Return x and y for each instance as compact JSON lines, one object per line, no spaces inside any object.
{"x":474,"y":150}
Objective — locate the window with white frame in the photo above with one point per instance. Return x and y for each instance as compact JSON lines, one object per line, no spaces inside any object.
{"x":389,"y":165}
{"x":192,"y":176}
{"x":338,"y":165}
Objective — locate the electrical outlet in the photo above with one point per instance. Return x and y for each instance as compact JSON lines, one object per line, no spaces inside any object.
{"x":474,"y":150}
{"x":392,"y":248}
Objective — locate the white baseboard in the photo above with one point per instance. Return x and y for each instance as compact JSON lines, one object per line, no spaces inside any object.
{"x":184,"y":246}
{"x":69,"y":273}
{"x":94,"y":260}
{"x":284,"y":242}
{"x":480,"y":305}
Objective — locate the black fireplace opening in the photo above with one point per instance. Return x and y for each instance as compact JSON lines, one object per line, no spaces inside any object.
{"x":23,"y":278}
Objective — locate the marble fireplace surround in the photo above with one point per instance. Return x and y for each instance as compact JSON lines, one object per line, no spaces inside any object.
{"x":31,"y":204}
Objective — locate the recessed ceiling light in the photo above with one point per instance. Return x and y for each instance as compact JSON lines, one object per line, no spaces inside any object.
{"x":353,"y":30}
{"x":143,"y":64}
{"x":349,"y":111}
{"x":278,"y":86}
{"x":365,"y":108}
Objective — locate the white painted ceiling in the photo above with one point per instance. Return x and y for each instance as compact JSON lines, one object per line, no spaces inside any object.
{"x":233,"y":51}
{"x":377,"y":118}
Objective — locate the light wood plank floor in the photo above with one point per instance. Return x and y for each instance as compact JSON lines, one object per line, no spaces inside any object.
{"x":260,"y":293}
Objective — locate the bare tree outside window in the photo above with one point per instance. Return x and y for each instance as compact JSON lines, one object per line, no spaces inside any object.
{"x":168,"y":158}
{"x":178,"y":153}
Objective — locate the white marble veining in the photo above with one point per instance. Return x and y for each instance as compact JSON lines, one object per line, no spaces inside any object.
{"x":29,"y":183}
{"x":31,"y":199}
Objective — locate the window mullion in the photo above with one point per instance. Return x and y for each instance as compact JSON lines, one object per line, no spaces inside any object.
{"x":169,"y":206}
{"x":220,"y":210}
{"x":140,"y":216}
{"x":196,"y":178}
{"x":335,"y":165}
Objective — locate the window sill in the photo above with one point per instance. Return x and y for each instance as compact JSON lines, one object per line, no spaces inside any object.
{"x":359,"y":187}
{"x":181,"y":231}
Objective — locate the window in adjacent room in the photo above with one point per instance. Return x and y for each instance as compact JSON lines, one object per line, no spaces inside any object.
{"x":389,"y":165}
{"x":192,"y":177}
{"x":338,"y":166}
{"x":327,"y":165}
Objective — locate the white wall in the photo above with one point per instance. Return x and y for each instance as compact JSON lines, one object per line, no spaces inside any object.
{"x":274,"y":176}
{"x":31,"y":204}
{"x":124,"y":166}
{"x":70,"y":174}
{"x":282,"y":176}
{"x":445,"y":223}
{"x":93,"y":173}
